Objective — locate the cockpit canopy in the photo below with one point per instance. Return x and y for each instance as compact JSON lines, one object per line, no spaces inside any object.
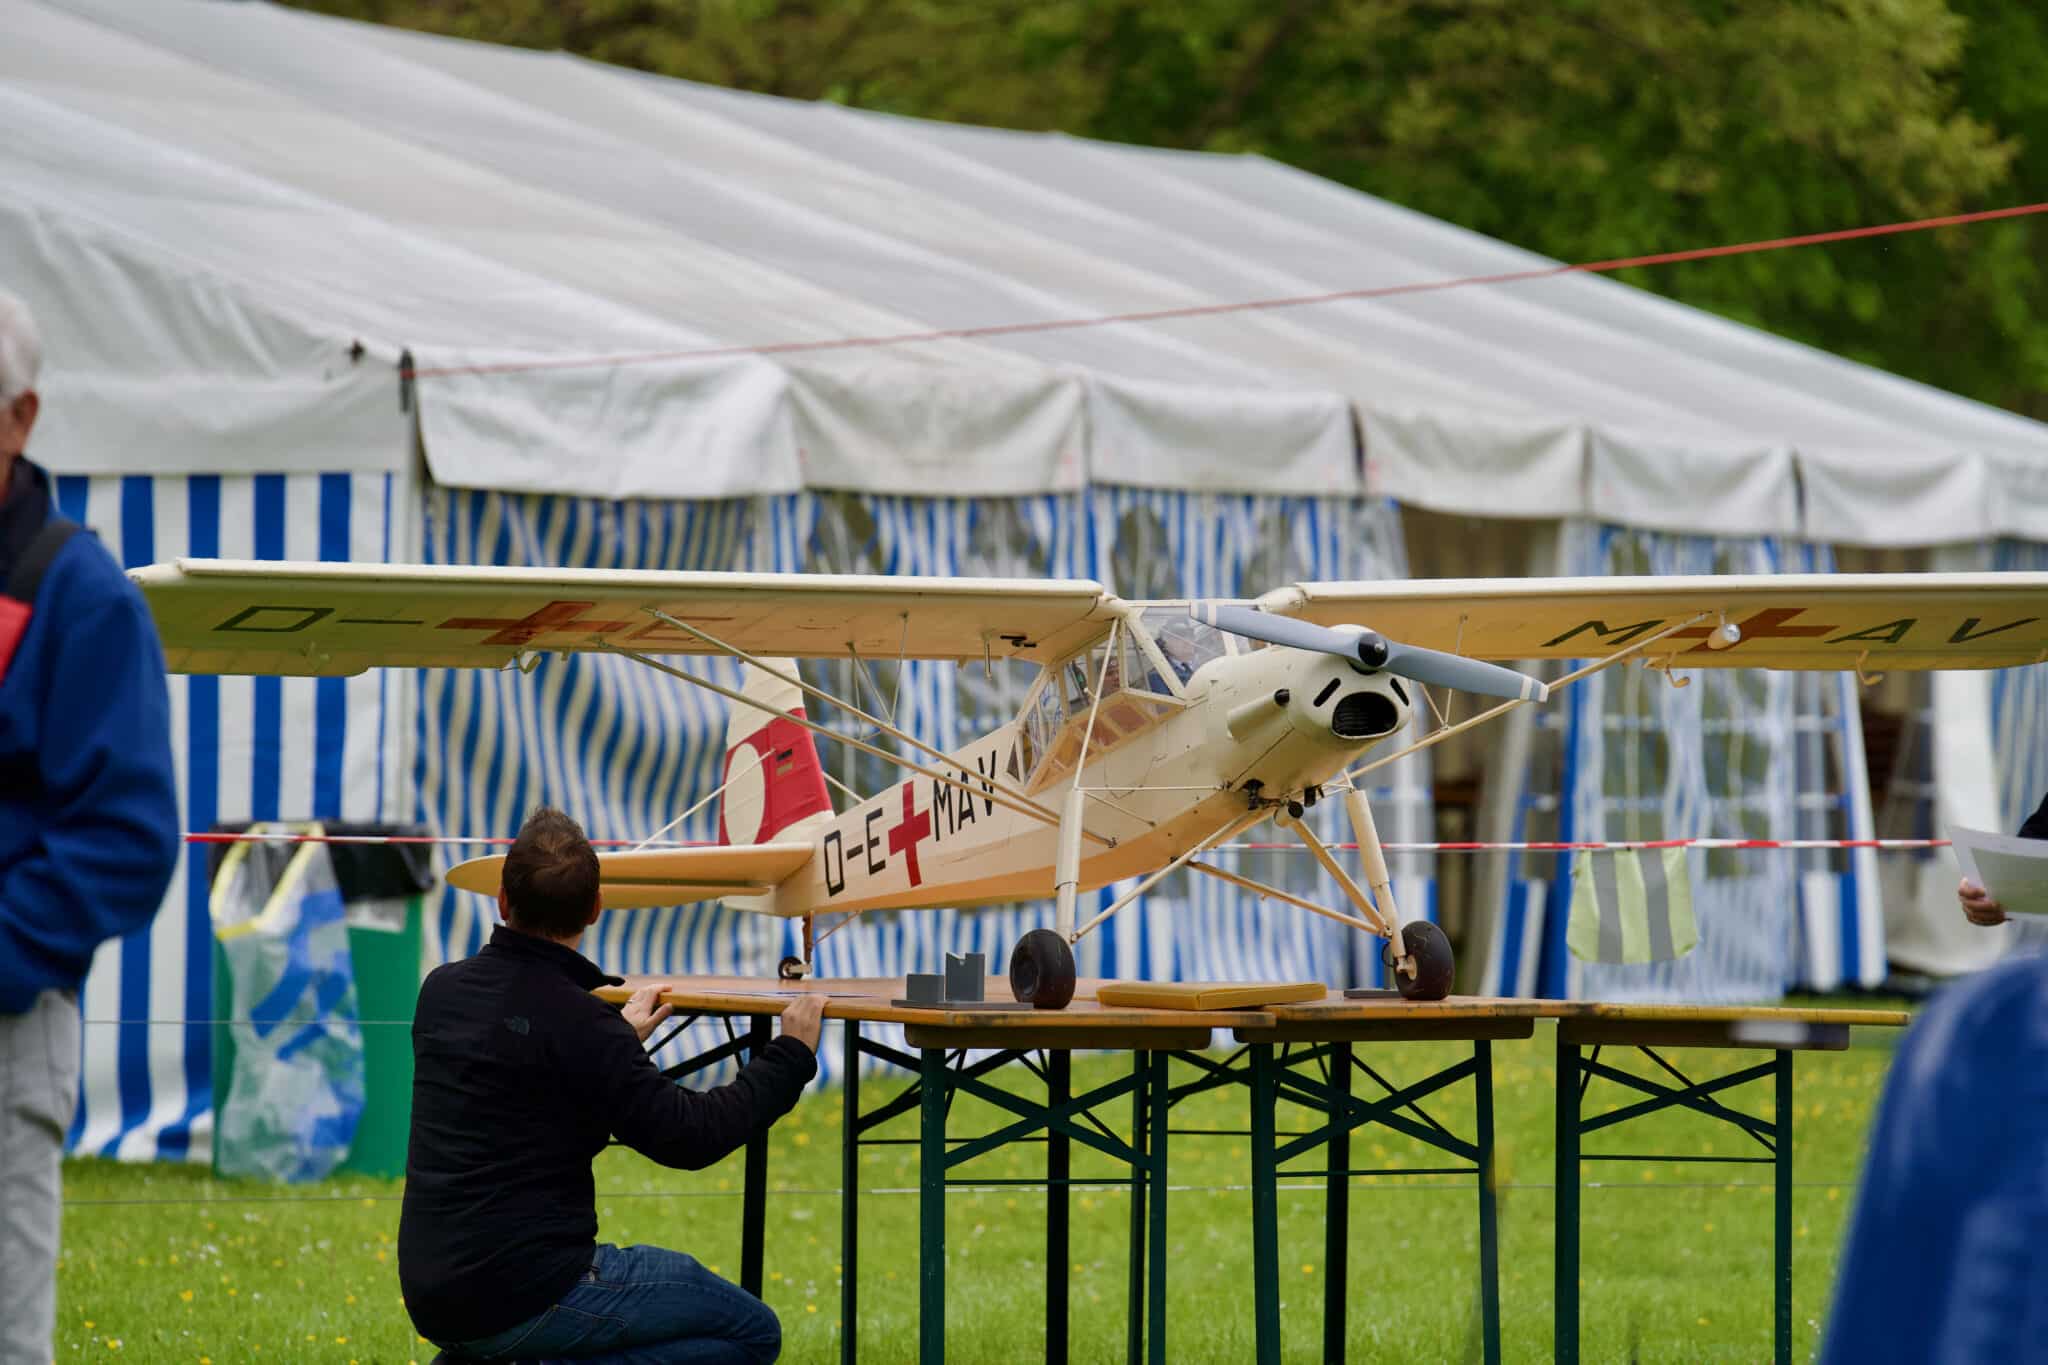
{"x":1144,"y":669}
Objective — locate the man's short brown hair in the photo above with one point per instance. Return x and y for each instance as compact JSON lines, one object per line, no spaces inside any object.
{"x":550,"y":876}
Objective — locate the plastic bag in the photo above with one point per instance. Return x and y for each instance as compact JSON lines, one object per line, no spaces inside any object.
{"x":296,"y":1093}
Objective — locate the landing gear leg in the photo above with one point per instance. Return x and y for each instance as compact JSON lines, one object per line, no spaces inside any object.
{"x":1042,"y":965}
{"x":1418,"y":956}
{"x":797,"y":968}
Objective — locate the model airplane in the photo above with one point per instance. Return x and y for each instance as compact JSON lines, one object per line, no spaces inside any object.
{"x":1154,"y":732}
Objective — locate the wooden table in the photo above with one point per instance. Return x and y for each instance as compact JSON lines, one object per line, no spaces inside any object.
{"x":939,"y":1069}
{"x":1646,"y":1028}
{"x":1303,"y":1055}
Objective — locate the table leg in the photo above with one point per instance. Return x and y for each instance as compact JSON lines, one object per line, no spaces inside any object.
{"x":931,"y":1207}
{"x":1565,"y":1295}
{"x":1058,"y":1257}
{"x":754,"y":1202}
{"x":1265,"y":1207}
{"x":1156,"y":1102}
{"x":849,"y":1202}
{"x":1489,"y":1226}
{"x":1337,"y":1206}
{"x":1782,"y":1179}
{"x":1134,"y":1350}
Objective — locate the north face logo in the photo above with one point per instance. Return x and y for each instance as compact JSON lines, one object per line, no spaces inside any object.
{"x":518,"y":1024}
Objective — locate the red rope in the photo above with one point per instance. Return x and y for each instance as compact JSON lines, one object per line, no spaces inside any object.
{"x":1242,"y":306}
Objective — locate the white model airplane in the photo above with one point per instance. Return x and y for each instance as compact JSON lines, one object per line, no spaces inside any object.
{"x":1155,"y":731}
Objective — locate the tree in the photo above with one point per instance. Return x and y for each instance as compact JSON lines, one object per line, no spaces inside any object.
{"x":1583,"y":129}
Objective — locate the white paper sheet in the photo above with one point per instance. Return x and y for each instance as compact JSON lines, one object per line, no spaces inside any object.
{"x":2012,"y":869}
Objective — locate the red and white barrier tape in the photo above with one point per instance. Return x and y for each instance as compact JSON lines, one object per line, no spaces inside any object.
{"x":1458,"y":846}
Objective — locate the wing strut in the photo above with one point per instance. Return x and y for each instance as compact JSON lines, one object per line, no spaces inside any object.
{"x":1262,"y":889}
{"x":1018,"y":800}
{"x":999,"y":795}
{"x":1384,"y":924}
{"x":1227,"y":833}
{"x":1438,"y":736}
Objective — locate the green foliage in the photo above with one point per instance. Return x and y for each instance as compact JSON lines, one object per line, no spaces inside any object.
{"x":1584,"y":129}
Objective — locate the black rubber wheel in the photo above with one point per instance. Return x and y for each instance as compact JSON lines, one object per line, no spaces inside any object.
{"x":790,"y":969}
{"x":1425,"y":943}
{"x":1042,"y":970}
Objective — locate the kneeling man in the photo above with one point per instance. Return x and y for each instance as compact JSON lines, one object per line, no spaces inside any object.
{"x":520,"y":1078}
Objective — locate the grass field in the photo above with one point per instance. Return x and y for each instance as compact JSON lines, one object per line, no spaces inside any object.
{"x":165,"y":1263}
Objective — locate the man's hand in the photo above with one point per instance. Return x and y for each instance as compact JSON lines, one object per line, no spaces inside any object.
{"x":645,"y":1010}
{"x":803,"y":1016}
{"x":1978,"y":905}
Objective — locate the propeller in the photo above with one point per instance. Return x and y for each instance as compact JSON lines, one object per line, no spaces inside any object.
{"x":1374,"y":652}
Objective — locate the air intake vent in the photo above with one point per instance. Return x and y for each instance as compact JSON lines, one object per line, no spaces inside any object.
{"x":1364,"y":715}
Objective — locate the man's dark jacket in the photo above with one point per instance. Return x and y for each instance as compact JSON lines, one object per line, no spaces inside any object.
{"x":88,"y":796}
{"x":520,"y":1075}
{"x":2036,"y":826}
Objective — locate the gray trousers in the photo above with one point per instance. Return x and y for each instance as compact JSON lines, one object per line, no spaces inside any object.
{"x":38,"y":1091}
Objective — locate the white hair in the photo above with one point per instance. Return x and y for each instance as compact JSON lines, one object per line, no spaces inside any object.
{"x":21,"y":349}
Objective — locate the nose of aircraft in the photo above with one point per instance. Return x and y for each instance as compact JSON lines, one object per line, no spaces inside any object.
{"x":1316,"y":695}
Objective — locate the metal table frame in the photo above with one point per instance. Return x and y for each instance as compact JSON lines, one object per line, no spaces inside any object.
{"x":941,"y":1071}
{"x":1576,"y":1073}
{"x":754,"y":1184}
{"x":1312,"y":1067}
{"x":1302,"y":1055}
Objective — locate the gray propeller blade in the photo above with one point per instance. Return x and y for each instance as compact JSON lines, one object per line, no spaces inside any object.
{"x":1371,"y":650}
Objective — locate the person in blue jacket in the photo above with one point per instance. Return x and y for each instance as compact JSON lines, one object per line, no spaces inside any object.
{"x":1943,"y":1261}
{"x":88,"y":823}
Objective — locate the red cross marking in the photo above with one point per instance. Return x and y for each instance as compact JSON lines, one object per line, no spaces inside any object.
{"x":555,"y":616}
{"x":903,"y":838}
{"x":1765,"y":625}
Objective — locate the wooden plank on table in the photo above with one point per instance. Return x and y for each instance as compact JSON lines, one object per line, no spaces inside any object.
{"x":1208,"y":995}
{"x":870,"y":999}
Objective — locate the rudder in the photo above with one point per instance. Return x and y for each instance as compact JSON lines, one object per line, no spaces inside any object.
{"x":774,"y":784}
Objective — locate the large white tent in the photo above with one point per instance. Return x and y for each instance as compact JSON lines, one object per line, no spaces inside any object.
{"x":309,"y":183}
{"x":317,"y":289}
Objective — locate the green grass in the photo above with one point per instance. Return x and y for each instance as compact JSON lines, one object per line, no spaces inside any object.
{"x":165,"y":1263}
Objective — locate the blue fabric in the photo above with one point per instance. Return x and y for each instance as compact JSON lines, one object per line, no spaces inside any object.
{"x":641,"y":1305}
{"x":1944,"y":1256}
{"x":88,"y":803}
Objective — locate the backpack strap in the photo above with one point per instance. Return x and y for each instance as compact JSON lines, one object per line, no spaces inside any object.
{"x":27,"y":575}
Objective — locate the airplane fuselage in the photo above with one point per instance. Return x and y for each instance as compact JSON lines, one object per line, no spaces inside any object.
{"x":1268,"y":722}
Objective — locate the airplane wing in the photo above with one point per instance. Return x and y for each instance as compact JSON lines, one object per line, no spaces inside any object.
{"x":644,"y":878}
{"x":307,"y":619}
{"x":1802,"y":621}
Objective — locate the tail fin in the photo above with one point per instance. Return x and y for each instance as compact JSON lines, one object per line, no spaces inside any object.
{"x":774,"y":784}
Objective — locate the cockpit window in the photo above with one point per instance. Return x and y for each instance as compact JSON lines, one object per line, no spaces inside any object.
{"x":1186,"y":643}
{"x":1057,"y":719}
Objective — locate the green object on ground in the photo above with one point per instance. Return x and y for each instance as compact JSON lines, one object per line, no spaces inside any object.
{"x":387,"y":973}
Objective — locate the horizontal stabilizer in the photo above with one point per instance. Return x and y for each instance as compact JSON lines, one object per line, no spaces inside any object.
{"x":644,"y":878}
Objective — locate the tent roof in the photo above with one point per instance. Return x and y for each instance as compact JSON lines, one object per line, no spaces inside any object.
{"x":214,"y":204}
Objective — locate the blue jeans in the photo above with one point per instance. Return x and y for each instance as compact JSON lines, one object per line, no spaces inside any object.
{"x":641,"y":1305}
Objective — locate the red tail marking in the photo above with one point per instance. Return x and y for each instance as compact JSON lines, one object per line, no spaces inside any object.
{"x":916,"y":824}
{"x":793,"y":780}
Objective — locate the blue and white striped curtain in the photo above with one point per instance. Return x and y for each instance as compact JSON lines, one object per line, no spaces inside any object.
{"x":628,"y":749}
{"x":2019,"y":708}
{"x":246,"y":749}
{"x":1736,"y":753}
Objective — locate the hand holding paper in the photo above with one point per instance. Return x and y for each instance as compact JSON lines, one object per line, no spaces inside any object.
{"x":2003,"y":875}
